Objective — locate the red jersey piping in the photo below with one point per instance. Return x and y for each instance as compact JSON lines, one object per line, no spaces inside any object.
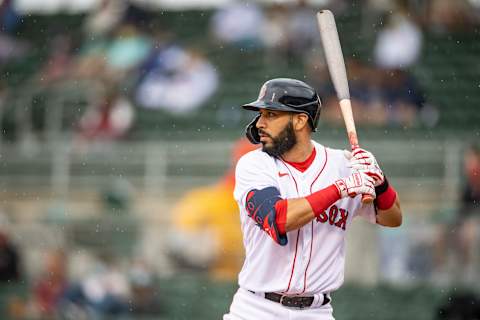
{"x":311,"y":243}
{"x":298,"y":232}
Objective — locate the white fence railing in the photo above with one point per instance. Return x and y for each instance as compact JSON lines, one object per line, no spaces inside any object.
{"x":423,"y":169}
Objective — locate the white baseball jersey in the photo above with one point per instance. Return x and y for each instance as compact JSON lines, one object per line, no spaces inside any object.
{"x":312,"y":261}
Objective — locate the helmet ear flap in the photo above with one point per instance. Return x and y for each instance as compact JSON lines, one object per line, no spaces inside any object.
{"x":251,"y":131}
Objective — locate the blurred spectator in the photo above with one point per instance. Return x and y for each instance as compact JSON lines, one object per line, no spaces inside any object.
{"x":206,"y":226}
{"x":108,"y":120}
{"x":111,"y":58}
{"x":274,"y":35}
{"x":401,"y":96}
{"x":379,"y":97}
{"x":398,"y":47}
{"x":104,"y":291}
{"x":9,"y":260}
{"x":176,"y":80}
{"x":9,"y":18}
{"x":238,"y":23}
{"x":11,"y":47}
{"x":106,"y":288}
{"x":464,"y":227}
{"x":290,"y":31}
{"x":128,"y":48}
{"x":302,"y":30}
{"x":90,"y":62}
{"x":50,"y":286}
{"x":57,"y":66}
{"x":384,"y":94}
{"x":399,"y":43}
{"x":365,"y":93}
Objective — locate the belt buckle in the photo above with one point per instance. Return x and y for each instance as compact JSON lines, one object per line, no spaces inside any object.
{"x":292,"y":304}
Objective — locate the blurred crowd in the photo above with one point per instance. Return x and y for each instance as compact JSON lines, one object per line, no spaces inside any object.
{"x":129,"y":59}
{"x":84,"y":276}
{"x":126,"y":60}
{"x":106,"y":288}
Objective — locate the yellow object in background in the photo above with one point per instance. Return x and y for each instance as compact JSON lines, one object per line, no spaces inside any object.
{"x":208,"y":217}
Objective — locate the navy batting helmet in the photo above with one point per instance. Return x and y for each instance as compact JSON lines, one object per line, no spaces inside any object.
{"x":284,"y":94}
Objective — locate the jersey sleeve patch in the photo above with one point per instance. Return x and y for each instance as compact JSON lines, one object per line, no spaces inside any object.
{"x":260,"y":206}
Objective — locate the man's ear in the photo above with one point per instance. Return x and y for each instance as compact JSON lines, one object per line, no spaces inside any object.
{"x":301,"y":120}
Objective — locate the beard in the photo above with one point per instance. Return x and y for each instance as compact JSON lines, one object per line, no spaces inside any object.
{"x":282,"y":143}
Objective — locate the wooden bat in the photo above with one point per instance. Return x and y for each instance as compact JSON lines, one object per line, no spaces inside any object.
{"x":338,"y":74}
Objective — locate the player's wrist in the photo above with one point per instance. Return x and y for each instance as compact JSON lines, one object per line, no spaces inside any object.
{"x":341,"y":187}
{"x":383,"y":187}
{"x":386,"y":196}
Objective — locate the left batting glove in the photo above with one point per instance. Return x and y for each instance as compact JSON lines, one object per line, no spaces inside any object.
{"x":364,"y":161}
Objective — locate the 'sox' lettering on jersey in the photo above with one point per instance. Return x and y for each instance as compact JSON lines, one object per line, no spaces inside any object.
{"x":333,"y":213}
{"x":322,"y":217}
{"x":342,"y":222}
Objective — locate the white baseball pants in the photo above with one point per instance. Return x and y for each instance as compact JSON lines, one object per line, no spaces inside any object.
{"x":250,"y":306}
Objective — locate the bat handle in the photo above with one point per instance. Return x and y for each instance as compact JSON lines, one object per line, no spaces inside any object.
{"x":366,"y":198}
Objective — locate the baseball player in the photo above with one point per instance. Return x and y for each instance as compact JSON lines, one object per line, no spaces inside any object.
{"x":297,"y":199}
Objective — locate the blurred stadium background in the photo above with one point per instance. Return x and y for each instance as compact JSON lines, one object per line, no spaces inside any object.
{"x":112,"y":112}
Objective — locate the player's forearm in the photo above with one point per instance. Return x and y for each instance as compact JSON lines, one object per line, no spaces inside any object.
{"x":303,"y":210}
{"x":391,"y":217}
{"x":299,"y":213}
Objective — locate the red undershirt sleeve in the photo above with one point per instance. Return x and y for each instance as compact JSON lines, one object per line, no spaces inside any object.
{"x":386,"y":196}
{"x":319,"y":201}
{"x":386,"y":200}
{"x":322,"y":199}
{"x":281,"y":215}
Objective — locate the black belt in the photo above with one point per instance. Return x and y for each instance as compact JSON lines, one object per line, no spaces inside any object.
{"x":294,"y":301}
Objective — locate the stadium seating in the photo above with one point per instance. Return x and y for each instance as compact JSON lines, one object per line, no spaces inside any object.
{"x":447,"y":72}
{"x":196,"y":297}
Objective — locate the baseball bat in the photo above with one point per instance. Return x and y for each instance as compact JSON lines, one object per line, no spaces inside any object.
{"x":338,"y":74}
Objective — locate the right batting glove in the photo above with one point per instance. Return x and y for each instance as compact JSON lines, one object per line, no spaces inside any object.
{"x":364,"y":161}
{"x":357,"y":183}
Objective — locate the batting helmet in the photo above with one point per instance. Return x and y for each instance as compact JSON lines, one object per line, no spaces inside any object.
{"x":284,"y":94}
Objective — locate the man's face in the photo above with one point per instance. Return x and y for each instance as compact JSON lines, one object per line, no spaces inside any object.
{"x":276,"y":131}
